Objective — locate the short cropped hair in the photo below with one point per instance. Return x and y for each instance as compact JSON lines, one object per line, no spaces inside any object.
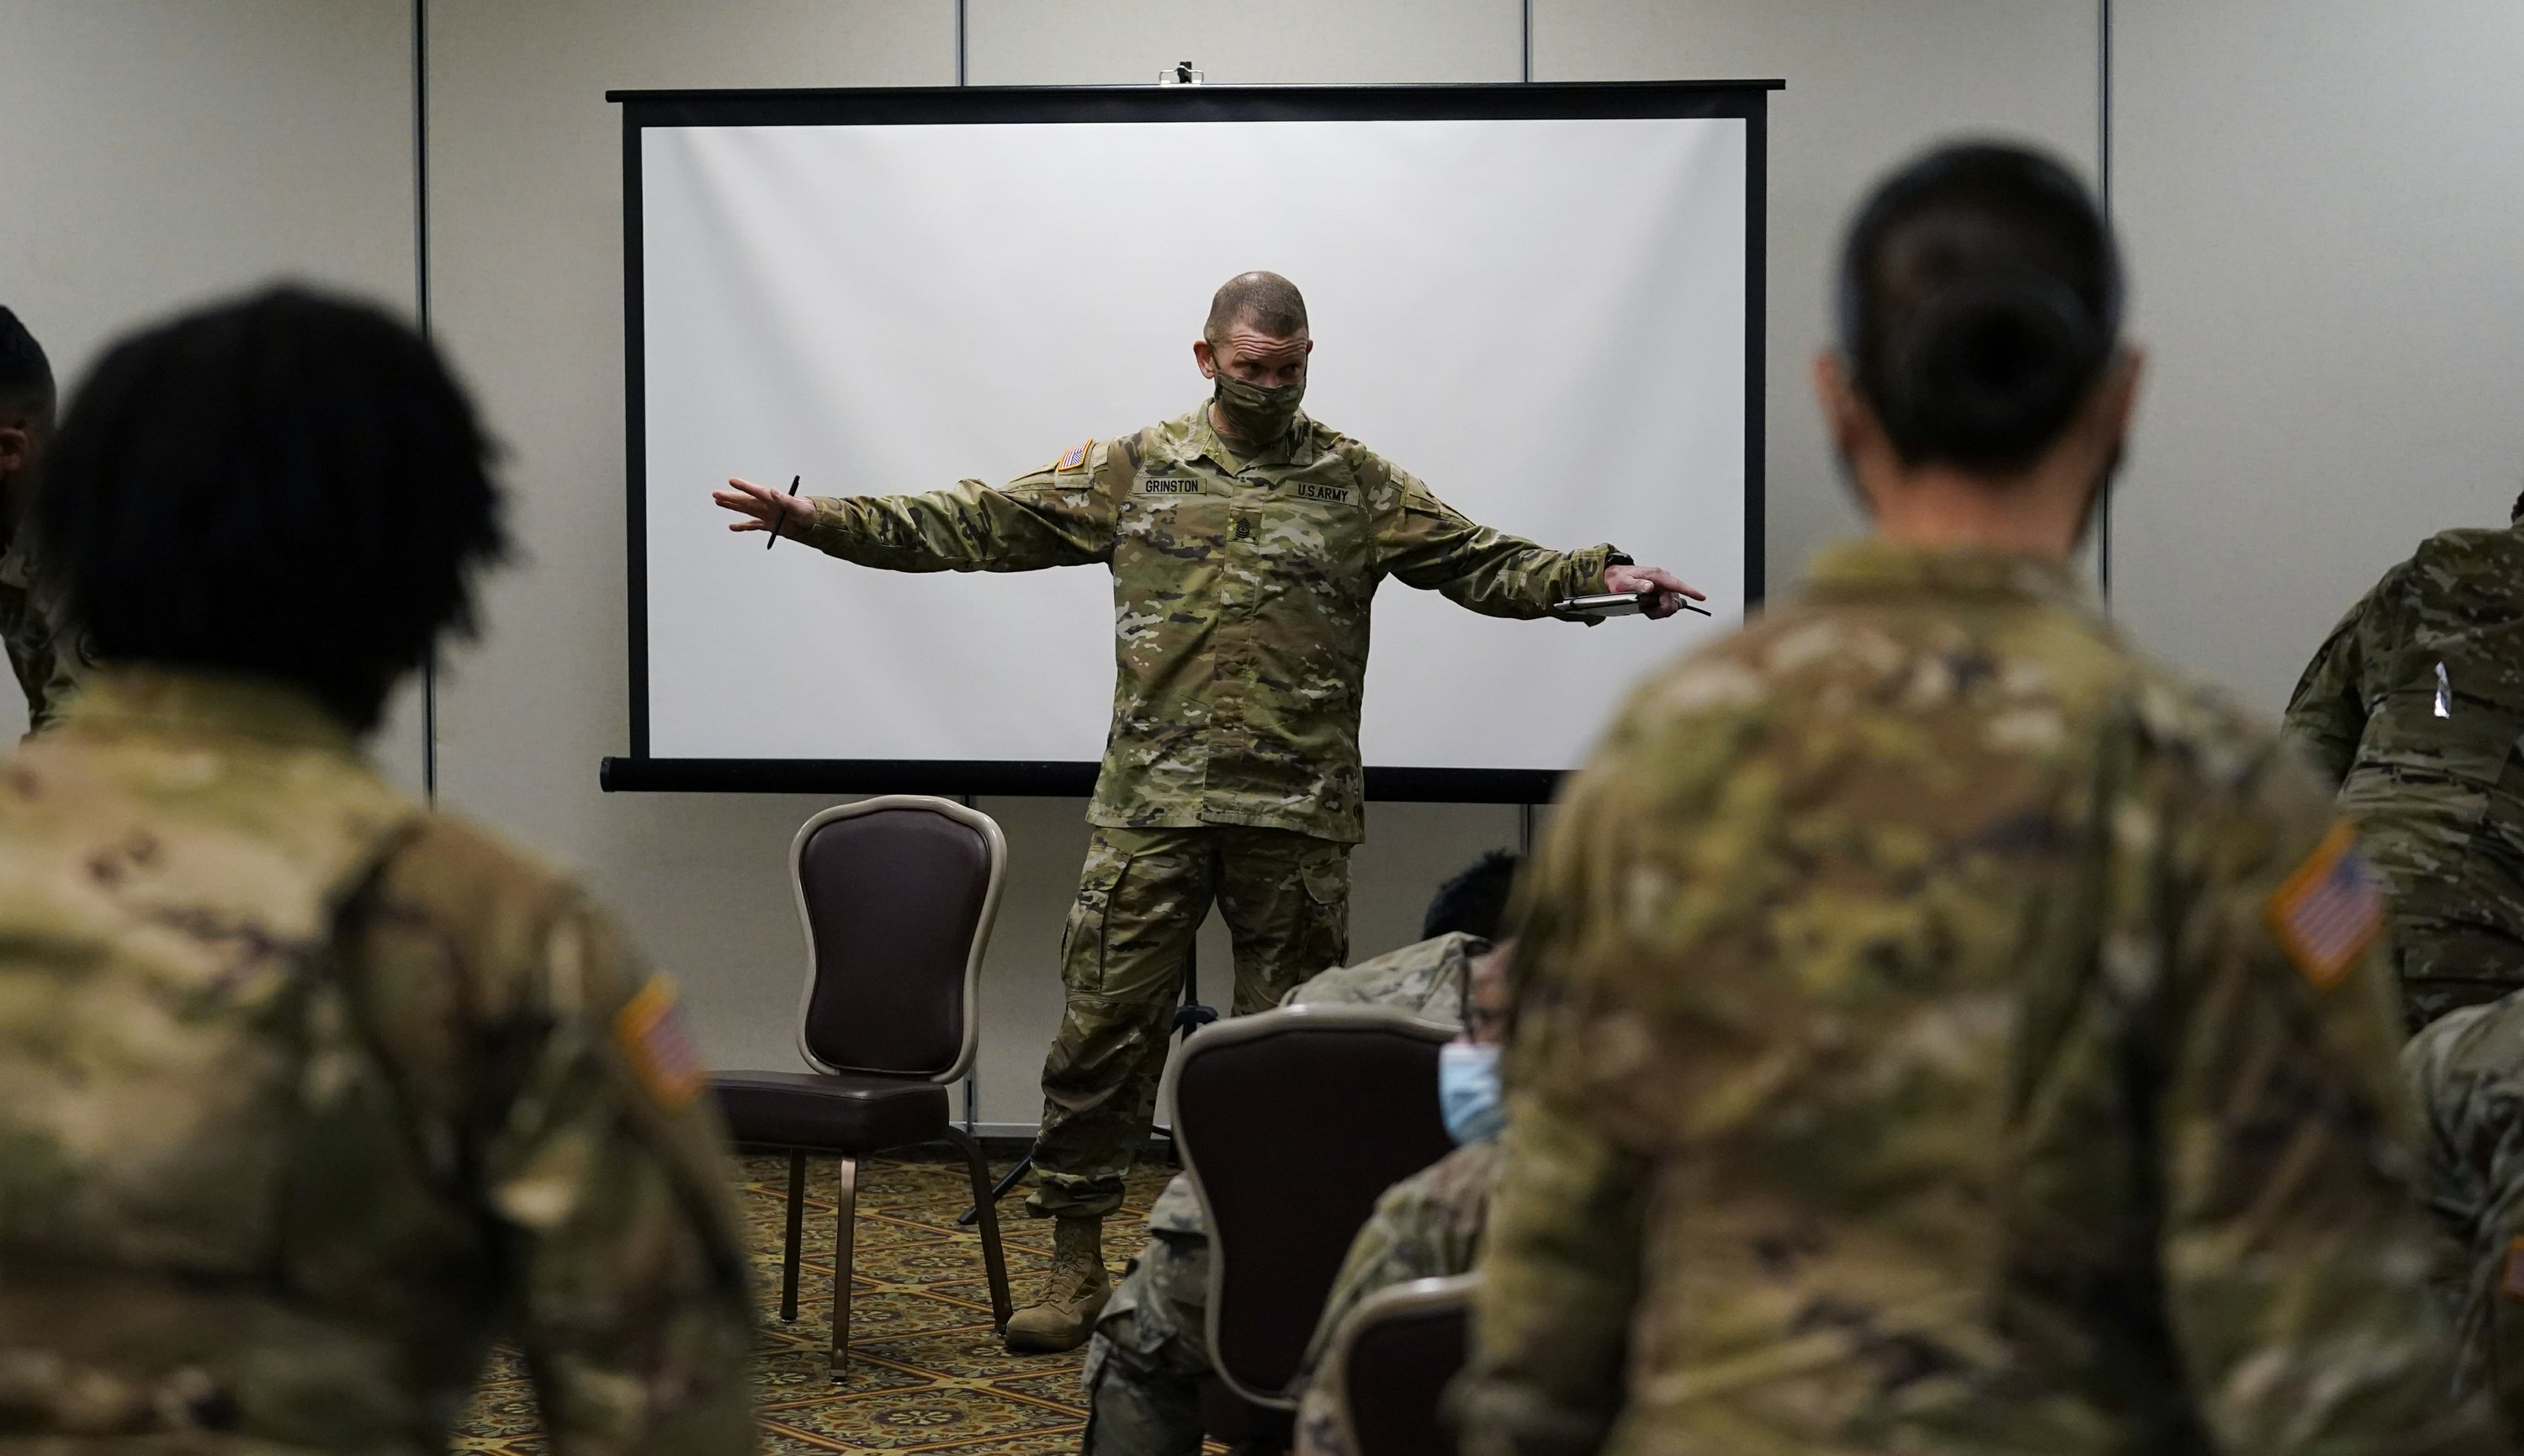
{"x":25,"y":375}
{"x":289,"y":485}
{"x":1271,"y":303}
{"x":1980,"y":300}
{"x":1473,"y":901}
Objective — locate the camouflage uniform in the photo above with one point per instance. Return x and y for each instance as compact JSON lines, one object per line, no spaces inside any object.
{"x":1242,"y":583}
{"x":2414,"y":709}
{"x":1941,"y":1030}
{"x":307,"y":1096}
{"x":45,"y":656}
{"x":1151,"y":1345}
{"x":2467,"y":1072}
{"x":1426,"y":1227}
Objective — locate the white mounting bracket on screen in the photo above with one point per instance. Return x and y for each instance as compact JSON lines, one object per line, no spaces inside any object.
{"x":1542,"y":299}
{"x":1181,"y":75}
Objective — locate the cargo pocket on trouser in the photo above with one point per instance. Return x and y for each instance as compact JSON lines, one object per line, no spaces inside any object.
{"x":1082,"y":936}
{"x":1326,"y":935}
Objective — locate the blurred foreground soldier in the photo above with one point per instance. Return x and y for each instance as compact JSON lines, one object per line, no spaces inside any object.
{"x":44,"y":657}
{"x":1246,"y":542}
{"x":2467,"y":1071}
{"x":1151,"y":1342}
{"x":306,"y":1094}
{"x":2412,"y":710}
{"x":1939,"y":1029}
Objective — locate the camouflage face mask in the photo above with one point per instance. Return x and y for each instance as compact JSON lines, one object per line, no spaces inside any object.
{"x":1257,"y":414}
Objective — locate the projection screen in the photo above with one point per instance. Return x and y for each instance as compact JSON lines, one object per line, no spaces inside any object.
{"x":1544,"y":301}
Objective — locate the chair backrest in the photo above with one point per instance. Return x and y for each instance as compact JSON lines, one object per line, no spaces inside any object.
{"x":1396,"y":1354}
{"x":898,"y":894}
{"x":1292,"y":1122}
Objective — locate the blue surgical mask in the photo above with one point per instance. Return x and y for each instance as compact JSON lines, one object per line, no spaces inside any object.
{"x":1467,"y":1090}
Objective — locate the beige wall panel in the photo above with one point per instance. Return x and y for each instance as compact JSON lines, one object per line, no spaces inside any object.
{"x":2324,"y":212}
{"x":1300,"y":43}
{"x":526,"y":275}
{"x":164,"y":152}
{"x":1869,"y":84}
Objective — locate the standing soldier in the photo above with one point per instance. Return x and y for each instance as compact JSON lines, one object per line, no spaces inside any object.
{"x":1245,"y":542}
{"x":44,"y":659}
{"x":306,"y":1094}
{"x":1941,"y":1030}
{"x":2412,"y":710}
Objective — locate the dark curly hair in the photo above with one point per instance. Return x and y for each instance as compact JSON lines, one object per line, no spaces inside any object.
{"x":289,"y":485}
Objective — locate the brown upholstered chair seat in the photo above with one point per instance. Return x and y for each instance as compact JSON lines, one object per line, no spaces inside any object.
{"x":833,"y":1112}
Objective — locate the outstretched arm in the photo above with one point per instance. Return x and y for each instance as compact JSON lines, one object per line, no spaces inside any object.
{"x":1429,"y":543}
{"x":1052,"y":518}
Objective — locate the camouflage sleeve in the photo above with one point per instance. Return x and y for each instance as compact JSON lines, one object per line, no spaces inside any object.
{"x":1560,"y":1279}
{"x":1427,"y":543}
{"x":2466,"y":1070}
{"x":1052,"y":518}
{"x":2293,"y":1247}
{"x":608,"y":1175}
{"x":2327,"y":714}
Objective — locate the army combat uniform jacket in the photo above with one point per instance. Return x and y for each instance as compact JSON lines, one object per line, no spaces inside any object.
{"x":1940,"y":1031}
{"x":2414,"y":711}
{"x":1242,"y":585}
{"x":308,"y":1095}
{"x":2467,"y":1071}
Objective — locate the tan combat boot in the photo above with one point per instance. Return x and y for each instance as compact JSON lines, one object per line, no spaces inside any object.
{"x":1064,"y":1314}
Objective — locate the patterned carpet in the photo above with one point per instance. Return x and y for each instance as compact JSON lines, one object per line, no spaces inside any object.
{"x":926,"y":1370}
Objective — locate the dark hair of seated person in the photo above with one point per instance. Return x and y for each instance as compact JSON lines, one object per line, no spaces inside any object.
{"x":1980,"y":301}
{"x":1474,"y":901}
{"x":289,"y":485}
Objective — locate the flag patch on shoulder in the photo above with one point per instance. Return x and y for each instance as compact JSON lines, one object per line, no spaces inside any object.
{"x":658,"y":1044}
{"x":2329,"y":910}
{"x":1074,"y":458}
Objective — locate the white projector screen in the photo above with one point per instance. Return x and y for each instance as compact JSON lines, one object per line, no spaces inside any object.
{"x":1543,"y":301}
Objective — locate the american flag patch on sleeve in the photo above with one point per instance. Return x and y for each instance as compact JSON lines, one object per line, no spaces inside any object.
{"x":658,"y":1044}
{"x":2330,"y":909}
{"x":1074,"y":458}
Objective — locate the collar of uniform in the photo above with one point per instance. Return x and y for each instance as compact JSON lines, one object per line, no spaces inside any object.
{"x":1874,"y":566}
{"x":1294,"y":447}
{"x":156,"y":700}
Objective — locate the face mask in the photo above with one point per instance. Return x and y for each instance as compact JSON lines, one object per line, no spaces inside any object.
{"x":1256,"y":414}
{"x":1467,"y":1090}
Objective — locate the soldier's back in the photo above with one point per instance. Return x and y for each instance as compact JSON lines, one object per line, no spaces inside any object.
{"x":1870,"y":935}
{"x":306,"y":1094}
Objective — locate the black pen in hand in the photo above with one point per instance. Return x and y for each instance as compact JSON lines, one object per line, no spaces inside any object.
{"x":783,"y":516}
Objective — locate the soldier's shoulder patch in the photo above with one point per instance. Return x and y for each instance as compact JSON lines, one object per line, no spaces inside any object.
{"x":2329,"y":910}
{"x":1075,"y":460}
{"x":2510,"y":1279}
{"x":658,"y":1044}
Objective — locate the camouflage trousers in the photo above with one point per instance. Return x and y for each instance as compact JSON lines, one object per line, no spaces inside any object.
{"x":1151,"y":1349}
{"x":1140,"y":899}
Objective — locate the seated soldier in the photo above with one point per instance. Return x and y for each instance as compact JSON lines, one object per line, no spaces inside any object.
{"x":2466,"y":1070}
{"x":309,"y":1094}
{"x":1150,"y":1347}
{"x":1428,"y":1225}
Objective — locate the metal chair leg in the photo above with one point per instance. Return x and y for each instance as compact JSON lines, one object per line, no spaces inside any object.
{"x":843,"y":1228}
{"x":797,"y":1221}
{"x":995,"y":1263}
